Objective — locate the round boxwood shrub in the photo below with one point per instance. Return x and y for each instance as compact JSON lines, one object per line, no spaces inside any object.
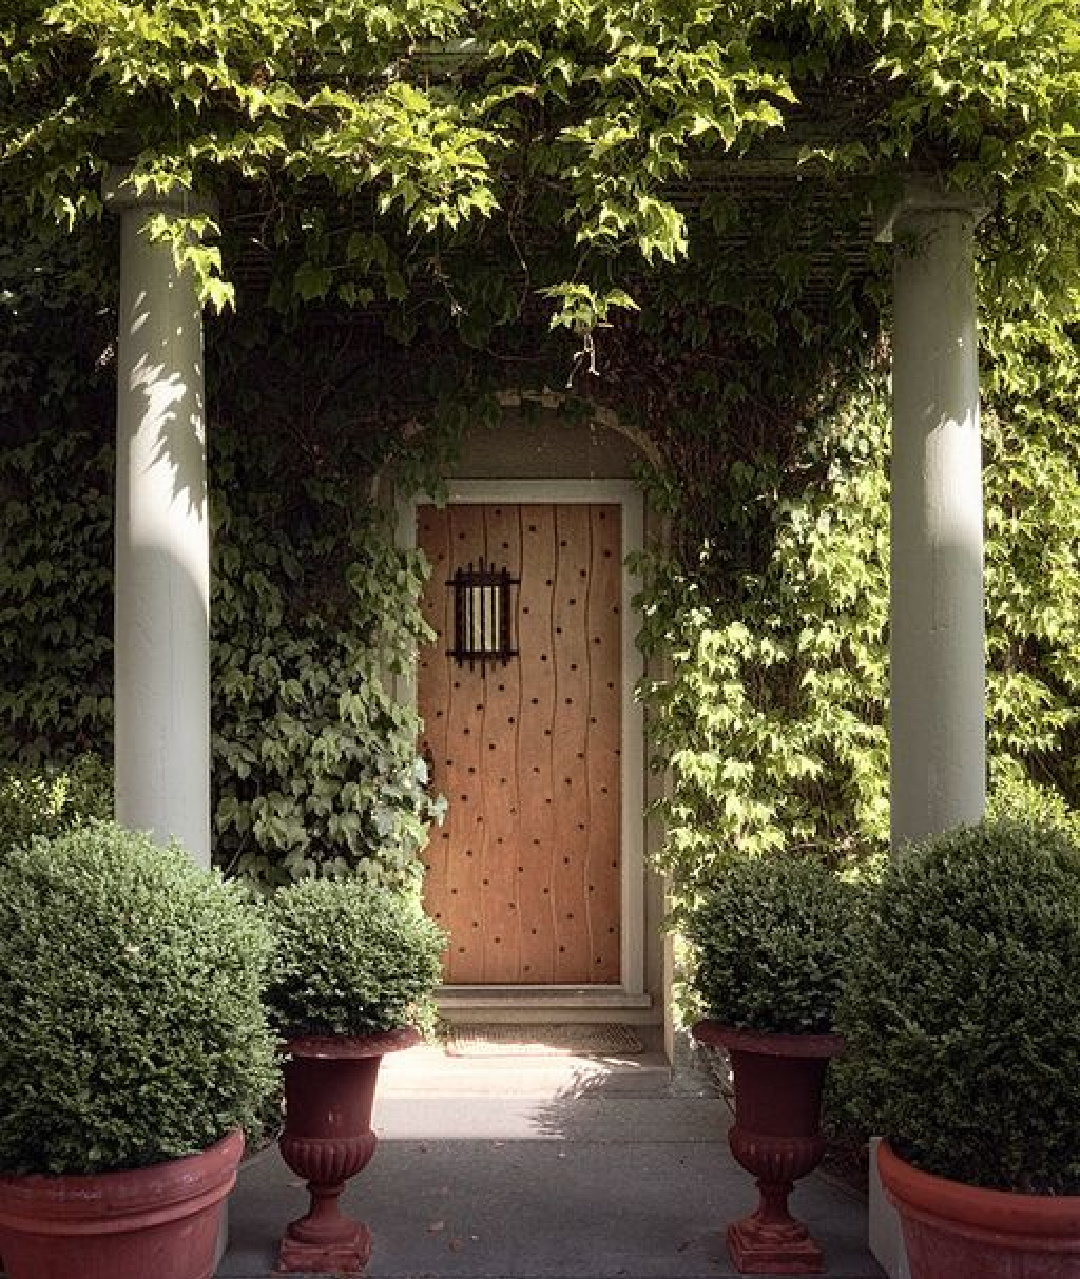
{"x":773,"y":939}
{"x":350,"y":958}
{"x":130,"y":1005}
{"x":963,"y":1014}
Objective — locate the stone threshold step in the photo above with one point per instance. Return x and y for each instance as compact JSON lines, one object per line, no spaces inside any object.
{"x":525,"y":1004}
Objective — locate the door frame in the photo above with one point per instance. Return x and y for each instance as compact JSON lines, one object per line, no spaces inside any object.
{"x":628,"y":497}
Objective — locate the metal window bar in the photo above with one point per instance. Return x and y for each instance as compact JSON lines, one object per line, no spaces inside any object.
{"x":482,"y":615}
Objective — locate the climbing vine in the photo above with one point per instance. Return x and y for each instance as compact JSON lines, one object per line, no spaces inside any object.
{"x":772,"y":718}
{"x":314,"y":614}
{"x":361,"y":152}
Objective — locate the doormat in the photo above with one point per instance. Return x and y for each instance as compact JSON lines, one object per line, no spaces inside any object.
{"x":562,"y":1040}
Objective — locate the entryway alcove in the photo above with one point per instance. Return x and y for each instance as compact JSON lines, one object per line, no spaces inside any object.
{"x":538,"y":871}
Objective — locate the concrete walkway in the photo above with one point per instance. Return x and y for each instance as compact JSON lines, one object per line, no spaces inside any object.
{"x":543,"y":1168}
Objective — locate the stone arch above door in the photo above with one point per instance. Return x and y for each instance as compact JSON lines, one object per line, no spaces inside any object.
{"x":553,"y":435}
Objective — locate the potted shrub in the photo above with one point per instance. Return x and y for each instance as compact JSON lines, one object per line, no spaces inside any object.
{"x":773,"y":942}
{"x":354,"y":965}
{"x":134,"y":1050}
{"x":963,"y":1020}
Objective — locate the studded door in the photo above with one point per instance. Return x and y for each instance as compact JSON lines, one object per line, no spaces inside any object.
{"x":525,"y":872}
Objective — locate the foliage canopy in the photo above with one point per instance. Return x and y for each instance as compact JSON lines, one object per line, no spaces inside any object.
{"x":358,"y":149}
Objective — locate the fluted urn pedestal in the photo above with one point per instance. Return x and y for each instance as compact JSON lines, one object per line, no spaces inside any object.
{"x":329,"y":1090}
{"x":776,"y":1137}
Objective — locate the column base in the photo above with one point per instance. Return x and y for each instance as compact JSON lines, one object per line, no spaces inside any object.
{"x":344,"y":1256}
{"x":760,"y":1248}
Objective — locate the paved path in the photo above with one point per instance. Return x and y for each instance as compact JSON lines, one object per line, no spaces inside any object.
{"x":543,"y":1168}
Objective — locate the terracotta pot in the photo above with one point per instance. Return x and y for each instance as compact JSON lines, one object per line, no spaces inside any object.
{"x":776,"y":1137}
{"x":956,"y":1231}
{"x":160,"y":1221}
{"x":329,"y":1090}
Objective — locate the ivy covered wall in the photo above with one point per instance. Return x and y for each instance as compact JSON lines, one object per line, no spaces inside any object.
{"x":314,"y":616}
{"x":774,"y":719}
{"x":767,"y":608}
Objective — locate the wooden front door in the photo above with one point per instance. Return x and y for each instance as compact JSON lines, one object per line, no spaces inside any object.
{"x":525,"y":872}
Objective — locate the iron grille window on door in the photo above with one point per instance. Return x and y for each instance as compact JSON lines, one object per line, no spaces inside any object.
{"x":482,"y":615}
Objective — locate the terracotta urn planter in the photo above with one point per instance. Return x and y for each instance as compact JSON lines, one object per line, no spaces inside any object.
{"x":776,"y":1137}
{"x":161,"y":1221}
{"x":329,"y":1089}
{"x":956,"y":1231}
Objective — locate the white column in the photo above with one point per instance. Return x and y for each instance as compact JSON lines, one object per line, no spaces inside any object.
{"x":938,"y":675}
{"x":937,"y":739}
{"x":162,"y":592}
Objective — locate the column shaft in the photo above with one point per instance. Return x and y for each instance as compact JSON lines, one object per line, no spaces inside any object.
{"x":937,"y":736}
{"x":162,"y":610}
